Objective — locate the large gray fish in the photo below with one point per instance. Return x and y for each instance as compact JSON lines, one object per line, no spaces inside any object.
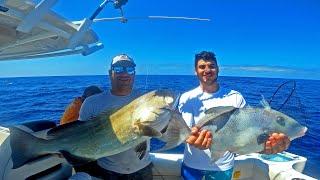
{"x":107,"y":134}
{"x":244,"y":130}
{"x":240,"y":131}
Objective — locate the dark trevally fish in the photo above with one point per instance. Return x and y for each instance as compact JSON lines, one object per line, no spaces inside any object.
{"x":244,"y":130}
{"x":107,"y":134}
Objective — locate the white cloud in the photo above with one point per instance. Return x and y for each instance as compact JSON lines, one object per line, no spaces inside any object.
{"x":260,"y":68}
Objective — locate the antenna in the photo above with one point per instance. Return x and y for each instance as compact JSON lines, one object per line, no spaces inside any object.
{"x":124,"y":20}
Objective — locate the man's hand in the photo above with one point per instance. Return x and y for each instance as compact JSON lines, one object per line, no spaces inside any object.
{"x":201,"y":140}
{"x":276,"y":143}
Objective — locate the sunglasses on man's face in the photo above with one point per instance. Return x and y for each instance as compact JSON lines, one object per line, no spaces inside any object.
{"x":121,"y":69}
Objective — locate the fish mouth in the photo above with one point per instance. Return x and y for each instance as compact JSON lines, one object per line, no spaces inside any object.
{"x":302,"y":132}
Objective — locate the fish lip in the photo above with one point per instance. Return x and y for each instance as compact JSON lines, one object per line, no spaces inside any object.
{"x":302,"y":132}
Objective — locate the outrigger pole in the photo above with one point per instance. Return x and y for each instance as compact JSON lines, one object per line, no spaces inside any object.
{"x":87,"y":22}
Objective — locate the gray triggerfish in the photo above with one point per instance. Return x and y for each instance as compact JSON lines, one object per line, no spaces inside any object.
{"x":245,"y":130}
{"x":241,"y":130}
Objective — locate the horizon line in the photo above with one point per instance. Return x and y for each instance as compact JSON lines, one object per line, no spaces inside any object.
{"x":41,"y":76}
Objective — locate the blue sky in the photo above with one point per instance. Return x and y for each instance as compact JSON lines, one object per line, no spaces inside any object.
{"x":274,"y":38}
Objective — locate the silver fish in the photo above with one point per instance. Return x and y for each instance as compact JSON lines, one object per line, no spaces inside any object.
{"x":245,"y":130}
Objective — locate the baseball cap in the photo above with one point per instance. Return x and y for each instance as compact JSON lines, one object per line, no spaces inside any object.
{"x":123,"y":60}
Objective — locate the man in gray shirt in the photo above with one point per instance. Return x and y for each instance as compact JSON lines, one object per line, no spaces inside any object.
{"x":131,"y":164}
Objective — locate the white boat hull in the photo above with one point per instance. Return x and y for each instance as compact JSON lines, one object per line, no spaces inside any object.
{"x":165,"y":166}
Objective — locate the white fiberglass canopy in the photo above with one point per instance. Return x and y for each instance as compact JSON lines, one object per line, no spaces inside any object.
{"x":29,"y":30}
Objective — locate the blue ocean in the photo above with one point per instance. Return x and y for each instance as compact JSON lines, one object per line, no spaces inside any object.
{"x":45,"y":98}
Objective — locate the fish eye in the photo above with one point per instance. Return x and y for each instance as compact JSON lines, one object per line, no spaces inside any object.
{"x":281,"y":121}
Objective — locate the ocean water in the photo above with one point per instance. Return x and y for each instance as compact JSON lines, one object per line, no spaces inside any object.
{"x":45,"y":98}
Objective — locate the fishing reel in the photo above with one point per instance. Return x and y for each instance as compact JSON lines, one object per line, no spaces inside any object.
{"x":119,"y":3}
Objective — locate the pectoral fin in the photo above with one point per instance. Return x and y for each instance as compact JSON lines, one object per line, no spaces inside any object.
{"x":176,"y":132}
{"x":141,"y":149}
{"x":218,"y":116}
{"x":144,"y":130}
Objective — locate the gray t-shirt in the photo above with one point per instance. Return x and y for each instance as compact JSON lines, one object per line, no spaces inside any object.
{"x":126,"y":162}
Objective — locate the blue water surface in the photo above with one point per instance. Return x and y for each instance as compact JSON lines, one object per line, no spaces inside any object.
{"x":45,"y":98}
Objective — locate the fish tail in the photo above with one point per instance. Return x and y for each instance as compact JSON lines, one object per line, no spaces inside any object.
{"x":24,"y":146}
{"x":176,"y":132}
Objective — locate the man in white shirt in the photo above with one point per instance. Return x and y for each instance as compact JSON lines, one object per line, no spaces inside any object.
{"x":133,"y":163}
{"x":197,"y":163}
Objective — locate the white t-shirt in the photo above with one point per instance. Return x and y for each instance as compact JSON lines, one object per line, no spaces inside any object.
{"x":126,"y":162}
{"x":192,"y":105}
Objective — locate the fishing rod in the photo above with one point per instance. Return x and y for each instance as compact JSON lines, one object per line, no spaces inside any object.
{"x":289,"y":96}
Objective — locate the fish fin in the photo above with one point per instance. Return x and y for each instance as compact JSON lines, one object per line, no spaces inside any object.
{"x":211,"y":128}
{"x":176,"y":132}
{"x":216,"y":155}
{"x":215,"y":112}
{"x":176,"y":103}
{"x":56,"y":130}
{"x":249,"y":107}
{"x":166,"y":109}
{"x":144,"y":130}
{"x":24,"y":147}
{"x":264,"y":103}
{"x":262,"y":138}
{"x":75,"y":127}
{"x":141,"y":149}
{"x":220,"y":110}
{"x":75,"y":160}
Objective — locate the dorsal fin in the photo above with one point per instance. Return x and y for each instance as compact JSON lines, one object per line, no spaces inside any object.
{"x":78,"y":126}
{"x":176,"y":102}
{"x":264,"y":103}
{"x":72,"y":125}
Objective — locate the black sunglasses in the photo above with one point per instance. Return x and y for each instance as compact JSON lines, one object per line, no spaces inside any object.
{"x":121,"y":69}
